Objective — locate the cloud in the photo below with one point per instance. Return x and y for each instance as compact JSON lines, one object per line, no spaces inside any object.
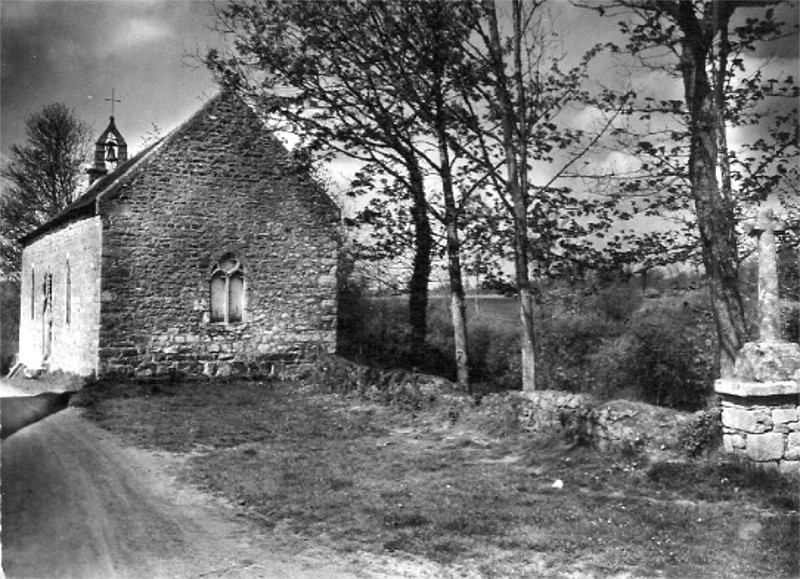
{"x":16,"y":14}
{"x":76,"y":51}
{"x":135,"y":31}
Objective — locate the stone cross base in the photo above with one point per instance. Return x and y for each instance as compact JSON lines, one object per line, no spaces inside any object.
{"x":761,"y":406}
{"x":767,"y":362}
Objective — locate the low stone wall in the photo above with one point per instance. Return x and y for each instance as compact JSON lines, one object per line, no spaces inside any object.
{"x":763,"y":429}
{"x":637,"y":426}
{"x":549,"y":410}
{"x":614,"y":425}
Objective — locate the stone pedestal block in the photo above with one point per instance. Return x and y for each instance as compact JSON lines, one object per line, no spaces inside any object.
{"x":732,"y":443}
{"x":768,"y":361}
{"x":793,"y":446}
{"x":760,"y":421}
{"x":750,"y":421}
{"x":784,"y":415}
{"x":765,"y":447}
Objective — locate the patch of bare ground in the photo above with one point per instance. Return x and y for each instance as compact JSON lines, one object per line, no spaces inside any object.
{"x":77,"y":504}
{"x":396,"y":484}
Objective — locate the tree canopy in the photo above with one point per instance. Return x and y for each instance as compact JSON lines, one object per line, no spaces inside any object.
{"x":41,"y":177}
{"x":688,"y":164}
{"x":460,"y":116}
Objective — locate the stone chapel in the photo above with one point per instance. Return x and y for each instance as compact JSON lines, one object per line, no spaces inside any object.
{"x":210,"y":252}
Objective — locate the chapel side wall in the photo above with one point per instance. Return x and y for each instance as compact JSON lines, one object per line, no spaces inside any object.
{"x":217,"y":188}
{"x":74,"y":343}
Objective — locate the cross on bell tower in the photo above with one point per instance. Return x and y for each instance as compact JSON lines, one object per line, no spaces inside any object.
{"x":110,"y":150}
{"x":112,"y":100}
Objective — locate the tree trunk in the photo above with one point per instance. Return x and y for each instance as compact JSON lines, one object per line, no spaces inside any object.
{"x":715,"y":217}
{"x":457,"y":302}
{"x":527,"y":339}
{"x":520,"y":199}
{"x":421,"y":272}
{"x":523,"y":283}
{"x":720,"y":72}
{"x":516,"y":171}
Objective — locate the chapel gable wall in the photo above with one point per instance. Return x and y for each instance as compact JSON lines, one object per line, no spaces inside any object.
{"x":217,"y":189}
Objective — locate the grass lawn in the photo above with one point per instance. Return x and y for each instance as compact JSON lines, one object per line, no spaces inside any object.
{"x":364,"y":476}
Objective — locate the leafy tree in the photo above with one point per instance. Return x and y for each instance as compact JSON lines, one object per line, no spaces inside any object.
{"x":513,"y":100}
{"x":411,"y":90}
{"x":350,"y":61}
{"x":701,"y":43}
{"x":316,"y":66}
{"x":41,"y":177}
{"x":514,"y":120}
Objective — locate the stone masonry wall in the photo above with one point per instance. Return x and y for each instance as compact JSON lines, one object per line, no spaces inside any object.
{"x":219,"y":185}
{"x":613,"y":425}
{"x":545,"y":411}
{"x":765,"y":431}
{"x":74,"y":342}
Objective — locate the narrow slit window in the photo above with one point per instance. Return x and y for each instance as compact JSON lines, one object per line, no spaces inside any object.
{"x":33,"y":293}
{"x":227,"y":291}
{"x":68,"y":296}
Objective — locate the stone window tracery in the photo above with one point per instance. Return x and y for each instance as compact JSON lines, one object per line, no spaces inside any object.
{"x":227,"y":291}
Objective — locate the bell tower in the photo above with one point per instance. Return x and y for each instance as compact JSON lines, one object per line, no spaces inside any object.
{"x":110,"y":150}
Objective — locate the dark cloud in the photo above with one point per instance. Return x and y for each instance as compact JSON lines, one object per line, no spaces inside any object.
{"x":75,"y":52}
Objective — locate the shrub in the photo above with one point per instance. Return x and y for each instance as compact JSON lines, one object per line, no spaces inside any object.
{"x":618,"y":302}
{"x":492,"y":348}
{"x":351,"y":309}
{"x":607,"y":368}
{"x":790,"y":316}
{"x":382,"y":336}
{"x":702,"y":434}
{"x":608,"y":344}
{"x":9,"y":324}
{"x":671,"y":362}
{"x":566,"y":344}
{"x":494,"y":355}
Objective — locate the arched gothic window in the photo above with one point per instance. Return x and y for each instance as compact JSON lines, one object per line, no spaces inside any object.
{"x":227,"y":291}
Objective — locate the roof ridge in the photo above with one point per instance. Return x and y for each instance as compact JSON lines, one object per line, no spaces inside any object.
{"x":86,"y":202}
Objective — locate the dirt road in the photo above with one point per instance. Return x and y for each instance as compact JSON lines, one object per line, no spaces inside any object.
{"x":77,"y":504}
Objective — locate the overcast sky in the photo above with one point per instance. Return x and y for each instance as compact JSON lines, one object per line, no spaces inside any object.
{"x":76,"y":52}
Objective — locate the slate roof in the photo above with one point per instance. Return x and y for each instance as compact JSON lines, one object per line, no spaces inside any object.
{"x":85,"y":205}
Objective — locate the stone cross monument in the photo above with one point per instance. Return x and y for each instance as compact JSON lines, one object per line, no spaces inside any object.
{"x":761,"y":403}
{"x":765,"y":228}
